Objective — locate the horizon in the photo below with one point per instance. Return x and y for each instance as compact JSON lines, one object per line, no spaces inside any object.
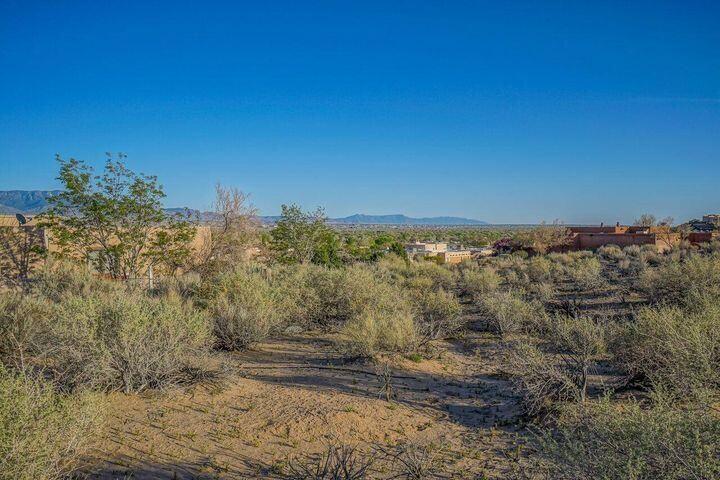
{"x":508,"y":114}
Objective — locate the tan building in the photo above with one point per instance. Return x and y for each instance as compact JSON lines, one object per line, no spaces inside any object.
{"x":425,"y":247}
{"x":10,"y":229}
{"x":454,"y":256}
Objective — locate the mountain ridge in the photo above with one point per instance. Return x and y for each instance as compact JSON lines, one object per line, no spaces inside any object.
{"x":35,"y":201}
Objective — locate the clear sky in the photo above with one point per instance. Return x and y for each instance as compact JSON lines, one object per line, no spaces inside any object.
{"x":502,"y":111}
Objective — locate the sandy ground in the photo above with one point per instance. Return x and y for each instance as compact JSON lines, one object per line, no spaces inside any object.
{"x":291,"y":397}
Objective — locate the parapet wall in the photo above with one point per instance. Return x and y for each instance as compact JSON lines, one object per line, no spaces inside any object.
{"x":592,"y":241}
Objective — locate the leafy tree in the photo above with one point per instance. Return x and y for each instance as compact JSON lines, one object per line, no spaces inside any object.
{"x":304,"y":237}
{"x":543,"y":237}
{"x":116,"y":220}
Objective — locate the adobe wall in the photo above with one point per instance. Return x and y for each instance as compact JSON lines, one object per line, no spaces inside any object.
{"x":599,"y":229}
{"x":591,"y":241}
{"x":703,"y":237}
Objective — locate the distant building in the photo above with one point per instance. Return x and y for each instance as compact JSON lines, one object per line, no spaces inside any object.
{"x":42,"y":237}
{"x":713,"y":218}
{"x":593,"y":237}
{"x":454,"y":256}
{"x":425,"y":247}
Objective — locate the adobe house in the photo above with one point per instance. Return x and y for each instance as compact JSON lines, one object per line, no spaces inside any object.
{"x":41,"y":236}
{"x":593,"y":237}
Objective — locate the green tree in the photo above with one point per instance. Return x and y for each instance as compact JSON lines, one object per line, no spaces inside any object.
{"x":304,"y":237}
{"x":116,"y":220}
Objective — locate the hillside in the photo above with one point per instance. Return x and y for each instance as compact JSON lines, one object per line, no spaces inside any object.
{"x":24,"y":201}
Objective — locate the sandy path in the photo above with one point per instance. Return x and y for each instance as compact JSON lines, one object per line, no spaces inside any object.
{"x":292,"y":396}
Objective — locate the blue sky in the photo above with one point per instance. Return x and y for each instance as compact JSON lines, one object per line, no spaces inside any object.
{"x":500,"y":111}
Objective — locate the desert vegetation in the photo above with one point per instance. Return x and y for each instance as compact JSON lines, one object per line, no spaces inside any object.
{"x":590,"y":364}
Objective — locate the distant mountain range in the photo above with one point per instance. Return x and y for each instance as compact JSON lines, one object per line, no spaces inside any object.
{"x":24,"y":201}
{"x":35,"y":201}
{"x":399,"y":219}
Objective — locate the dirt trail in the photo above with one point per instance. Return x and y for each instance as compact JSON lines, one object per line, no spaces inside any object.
{"x":291,"y":396}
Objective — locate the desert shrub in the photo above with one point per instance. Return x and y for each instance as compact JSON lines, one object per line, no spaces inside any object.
{"x":42,"y":433}
{"x":676,"y":349}
{"x":23,"y":319}
{"x":585,"y":272}
{"x":580,"y":255}
{"x":243,"y":308}
{"x":438,"y":313}
{"x":376,"y":330}
{"x":541,"y":380}
{"x":419,"y":284}
{"x":478,"y":282}
{"x":559,"y":258}
{"x":441,"y":276}
{"x":413,"y":461}
{"x":127,"y":342}
{"x":395,"y":265}
{"x":603,"y":441}
{"x":508,"y":312}
{"x":296,"y":294}
{"x":680,"y":282}
{"x":540,"y":269}
{"x":187,"y":286}
{"x":379,"y":315}
{"x":60,"y":278}
{"x":541,"y":291}
{"x":337,"y":462}
{"x":580,"y":340}
{"x":521,"y":254}
{"x":611,"y":253}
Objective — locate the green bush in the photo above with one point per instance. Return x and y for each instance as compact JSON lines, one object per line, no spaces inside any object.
{"x":373,"y":331}
{"x":23,"y":320}
{"x":123,"y":342}
{"x":541,"y":270}
{"x":611,"y":253}
{"x":478,"y":282}
{"x":679,"y":282}
{"x":508,"y":312}
{"x":602,"y":441}
{"x":60,"y":278}
{"x":585,"y":272}
{"x":541,"y":380}
{"x":296,"y":292}
{"x":438,"y":314}
{"x":379,"y":315}
{"x":541,"y":291}
{"x":676,"y":349}
{"x":42,"y":433}
{"x":243,"y":308}
{"x":580,"y":340}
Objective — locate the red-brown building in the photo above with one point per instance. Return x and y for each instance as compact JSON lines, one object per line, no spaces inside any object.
{"x":593,"y":237}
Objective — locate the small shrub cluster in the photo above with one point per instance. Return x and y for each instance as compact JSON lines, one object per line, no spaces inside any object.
{"x":104,"y":338}
{"x":242,"y":308}
{"x":606,"y":441}
{"x":679,"y":282}
{"x":380,"y":316}
{"x":508,"y":312}
{"x":477,"y":282}
{"x":677,"y":350}
{"x":42,"y":433}
{"x":585,"y":272}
